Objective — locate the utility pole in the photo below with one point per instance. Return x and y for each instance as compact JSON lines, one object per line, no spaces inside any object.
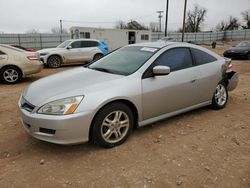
{"x":160,"y":17}
{"x":61,"y":26}
{"x":166,"y":23}
{"x":184,"y":20}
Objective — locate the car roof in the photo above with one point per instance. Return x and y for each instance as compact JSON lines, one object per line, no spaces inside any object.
{"x":83,"y":40}
{"x":9,"y":47}
{"x":158,"y":44}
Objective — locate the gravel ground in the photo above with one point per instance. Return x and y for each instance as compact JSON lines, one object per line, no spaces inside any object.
{"x":202,"y":148}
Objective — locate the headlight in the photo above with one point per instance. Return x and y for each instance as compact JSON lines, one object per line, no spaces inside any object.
{"x":61,"y":107}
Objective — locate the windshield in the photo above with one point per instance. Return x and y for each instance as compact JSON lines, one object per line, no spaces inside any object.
{"x":124,"y":61}
{"x":64,"y":44}
{"x":243,"y":44}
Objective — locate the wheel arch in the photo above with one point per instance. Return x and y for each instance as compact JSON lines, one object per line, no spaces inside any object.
{"x":58,"y":55}
{"x":130,"y":104}
{"x":12,"y":65}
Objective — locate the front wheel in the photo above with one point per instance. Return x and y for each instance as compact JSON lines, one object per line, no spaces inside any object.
{"x":220,"y":96}
{"x":112,"y":125}
{"x":54,"y":61}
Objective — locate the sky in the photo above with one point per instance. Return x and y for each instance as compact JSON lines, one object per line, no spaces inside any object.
{"x":19,"y":16}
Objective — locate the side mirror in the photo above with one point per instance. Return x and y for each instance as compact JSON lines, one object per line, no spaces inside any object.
{"x":160,"y":70}
{"x":69,"y":47}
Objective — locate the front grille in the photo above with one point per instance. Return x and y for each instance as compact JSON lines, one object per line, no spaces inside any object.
{"x":26,"y":105}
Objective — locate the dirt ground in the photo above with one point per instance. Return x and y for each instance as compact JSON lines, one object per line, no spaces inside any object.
{"x":202,"y":148}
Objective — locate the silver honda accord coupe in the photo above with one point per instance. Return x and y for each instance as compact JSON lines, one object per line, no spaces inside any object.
{"x":133,"y":86}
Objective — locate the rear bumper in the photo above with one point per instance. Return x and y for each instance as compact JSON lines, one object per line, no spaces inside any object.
{"x":233,"y":80}
{"x":32,"y":69}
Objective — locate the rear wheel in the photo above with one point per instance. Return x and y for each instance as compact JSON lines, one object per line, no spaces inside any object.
{"x":220,"y":97}
{"x":112,"y":125}
{"x":54,"y":61}
{"x":248,"y":56}
{"x":97,"y":56}
{"x":10,"y":75}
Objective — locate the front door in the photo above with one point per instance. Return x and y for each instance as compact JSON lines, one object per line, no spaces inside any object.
{"x":73,"y":54}
{"x":169,"y":93}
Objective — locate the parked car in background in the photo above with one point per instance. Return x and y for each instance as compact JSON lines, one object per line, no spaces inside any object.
{"x":241,"y":50}
{"x":23,"y":48}
{"x":133,"y":86}
{"x":167,"y":39}
{"x":73,"y":51}
{"x":16,"y":63}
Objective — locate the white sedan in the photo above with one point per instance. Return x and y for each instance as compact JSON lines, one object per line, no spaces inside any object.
{"x":16,"y":63}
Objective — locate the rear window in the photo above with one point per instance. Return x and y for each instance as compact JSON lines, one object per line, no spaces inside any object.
{"x":202,"y":57}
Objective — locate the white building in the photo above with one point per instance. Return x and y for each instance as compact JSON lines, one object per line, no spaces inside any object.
{"x":114,"y":38}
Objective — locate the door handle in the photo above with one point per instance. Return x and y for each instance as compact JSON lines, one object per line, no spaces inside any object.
{"x":192,"y":81}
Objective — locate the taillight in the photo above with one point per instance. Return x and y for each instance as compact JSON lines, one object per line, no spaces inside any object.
{"x":33,"y":58}
{"x":229,"y":67}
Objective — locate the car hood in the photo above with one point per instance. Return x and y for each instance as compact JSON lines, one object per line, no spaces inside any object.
{"x":238,"y":49}
{"x":69,"y":83}
{"x":48,"y":50}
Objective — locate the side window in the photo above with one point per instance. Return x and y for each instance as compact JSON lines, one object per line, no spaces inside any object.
{"x":2,"y":53}
{"x":202,"y":57}
{"x":176,"y":59}
{"x":76,"y":44}
{"x":88,"y":44}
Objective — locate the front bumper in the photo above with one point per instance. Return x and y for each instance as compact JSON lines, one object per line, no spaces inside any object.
{"x":66,"y":129}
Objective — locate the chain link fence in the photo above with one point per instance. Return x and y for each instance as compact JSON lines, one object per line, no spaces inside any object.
{"x":35,"y":41}
{"x":204,"y":37}
{"x":40,"y":41}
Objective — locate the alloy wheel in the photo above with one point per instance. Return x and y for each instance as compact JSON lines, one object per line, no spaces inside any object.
{"x":220,"y":95}
{"x":10,"y":75}
{"x":115,"y":126}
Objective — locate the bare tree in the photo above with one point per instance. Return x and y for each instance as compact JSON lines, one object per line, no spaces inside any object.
{"x":154,"y":26}
{"x":131,"y":25}
{"x":120,"y":25}
{"x":195,"y":18}
{"x":231,"y":24}
{"x":32,"y":31}
{"x":57,"y":30}
{"x":246,"y":18}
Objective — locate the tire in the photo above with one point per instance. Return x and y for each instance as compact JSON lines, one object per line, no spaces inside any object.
{"x":112,"y":125}
{"x":97,"y":56}
{"x":54,"y":61}
{"x":10,"y":75}
{"x":248,"y":56}
{"x":220,"y":96}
